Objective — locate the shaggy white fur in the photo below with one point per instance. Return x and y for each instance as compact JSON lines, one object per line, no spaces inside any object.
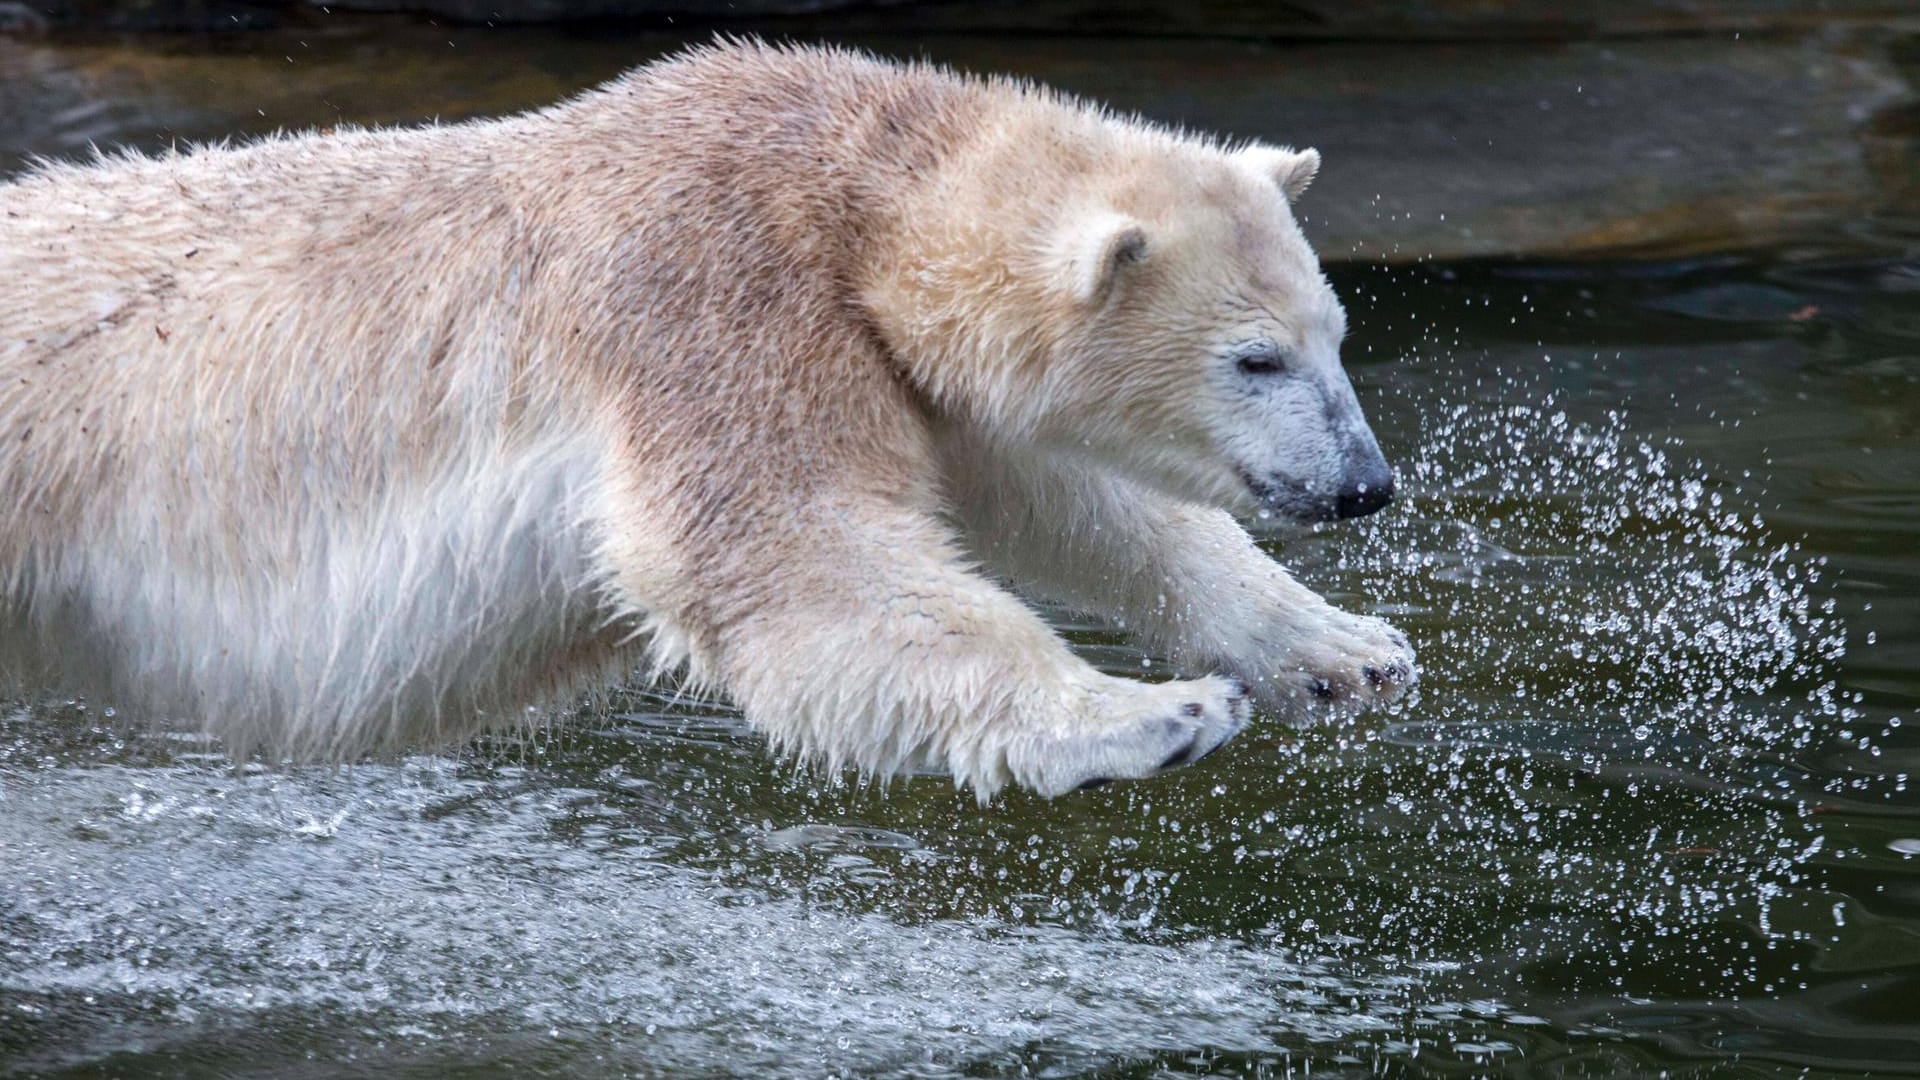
{"x":739,"y":365}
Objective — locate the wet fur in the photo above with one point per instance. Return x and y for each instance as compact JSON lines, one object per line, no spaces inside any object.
{"x":369,"y":440}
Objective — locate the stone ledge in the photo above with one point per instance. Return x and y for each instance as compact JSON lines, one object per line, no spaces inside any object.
{"x":1434,"y":150}
{"x":1404,"y":20}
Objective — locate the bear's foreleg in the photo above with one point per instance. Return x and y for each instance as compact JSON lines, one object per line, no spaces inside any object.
{"x":1186,"y":578}
{"x":868,"y":642}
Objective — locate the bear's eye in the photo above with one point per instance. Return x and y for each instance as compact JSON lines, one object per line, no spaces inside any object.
{"x":1261,"y":358}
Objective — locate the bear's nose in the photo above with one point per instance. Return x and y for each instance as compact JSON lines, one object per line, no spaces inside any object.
{"x":1365,"y":494}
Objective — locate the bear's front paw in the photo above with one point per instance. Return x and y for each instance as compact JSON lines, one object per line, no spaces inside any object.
{"x":1129,"y":730}
{"x":1345,"y":661}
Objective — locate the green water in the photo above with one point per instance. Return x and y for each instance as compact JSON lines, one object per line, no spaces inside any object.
{"x":1650,"y":812}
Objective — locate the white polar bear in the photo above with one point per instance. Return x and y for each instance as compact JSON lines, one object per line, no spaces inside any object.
{"x":741,"y":364}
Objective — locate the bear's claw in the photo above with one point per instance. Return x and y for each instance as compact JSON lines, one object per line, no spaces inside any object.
{"x":1353,"y":661}
{"x":1144,"y":735}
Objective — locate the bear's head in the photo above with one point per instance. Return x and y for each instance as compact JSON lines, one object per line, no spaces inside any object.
{"x":1147,"y":301}
{"x":1204,"y":342}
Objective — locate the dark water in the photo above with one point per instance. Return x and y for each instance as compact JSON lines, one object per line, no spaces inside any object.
{"x":1651,"y":812}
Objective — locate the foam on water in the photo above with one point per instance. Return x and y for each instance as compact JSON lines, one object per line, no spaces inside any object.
{"x":432,"y":908}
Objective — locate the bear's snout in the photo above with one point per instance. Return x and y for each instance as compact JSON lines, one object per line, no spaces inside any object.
{"x":1366,"y":490}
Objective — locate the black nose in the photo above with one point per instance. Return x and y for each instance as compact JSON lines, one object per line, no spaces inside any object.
{"x":1362,"y":496}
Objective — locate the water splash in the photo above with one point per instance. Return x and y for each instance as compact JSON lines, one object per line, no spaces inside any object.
{"x":448,"y":910}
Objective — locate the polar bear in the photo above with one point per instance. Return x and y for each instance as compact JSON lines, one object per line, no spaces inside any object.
{"x":778,"y":367}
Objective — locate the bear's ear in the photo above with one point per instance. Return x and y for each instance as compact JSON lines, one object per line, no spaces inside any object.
{"x":1097,"y":249}
{"x":1290,"y":170}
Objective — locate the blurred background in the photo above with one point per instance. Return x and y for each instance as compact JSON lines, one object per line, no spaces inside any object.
{"x":1450,"y":128}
